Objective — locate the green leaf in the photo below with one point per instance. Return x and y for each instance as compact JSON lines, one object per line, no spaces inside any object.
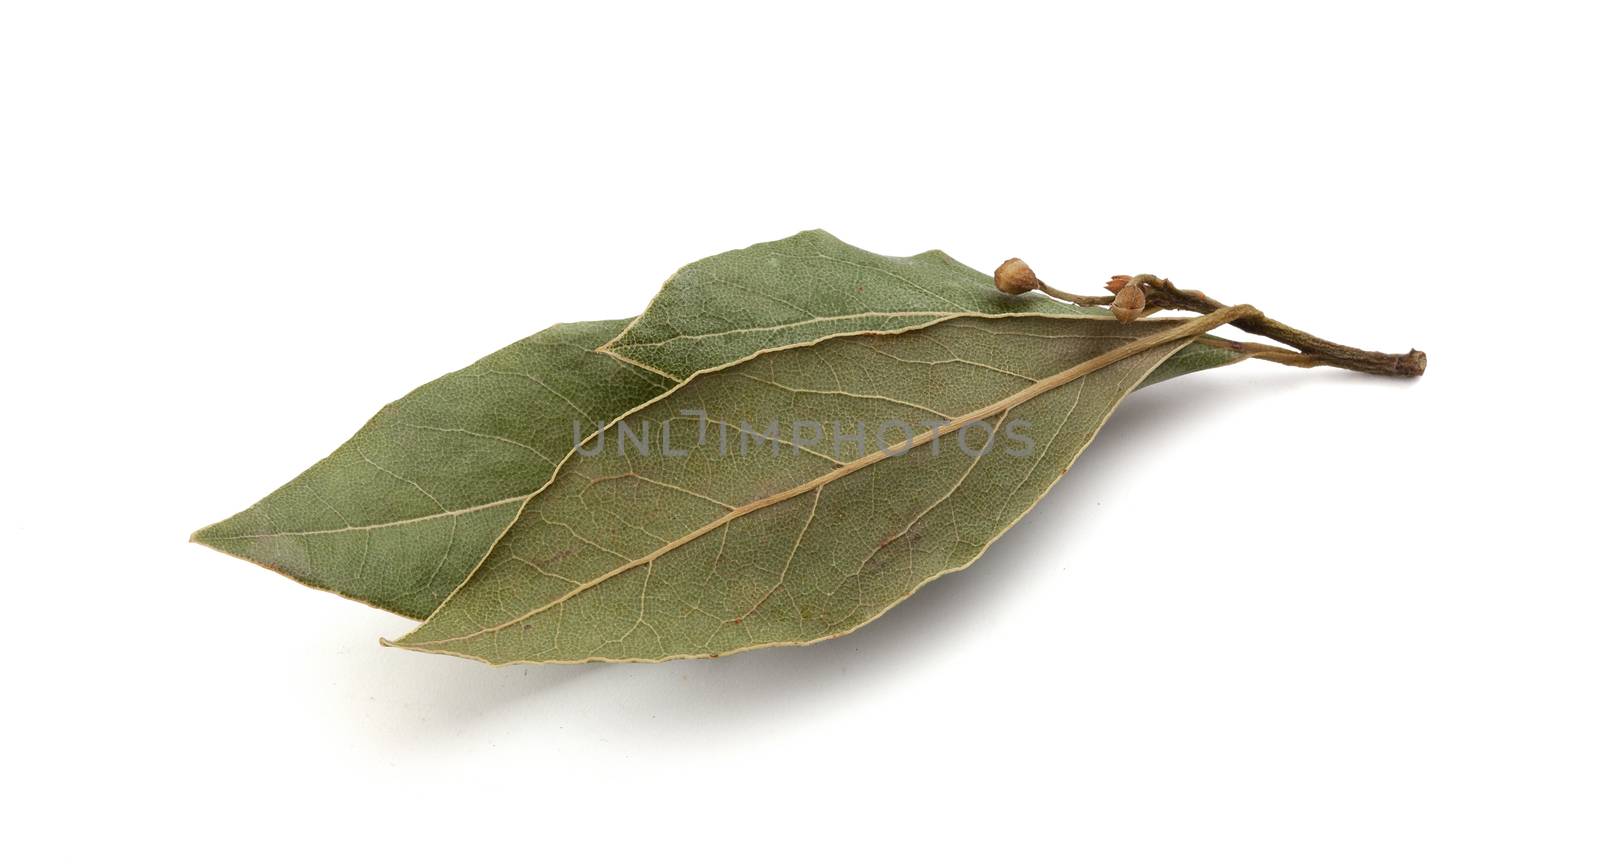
{"x":812,"y":285}
{"x":400,"y":514}
{"x":739,"y":544}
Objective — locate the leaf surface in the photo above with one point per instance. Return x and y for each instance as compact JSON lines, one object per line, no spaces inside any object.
{"x":400,"y":514}
{"x":741,"y":544}
{"x":812,"y":285}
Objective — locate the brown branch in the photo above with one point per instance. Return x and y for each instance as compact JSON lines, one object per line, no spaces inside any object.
{"x":1080,"y":300}
{"x":1160,"y":293}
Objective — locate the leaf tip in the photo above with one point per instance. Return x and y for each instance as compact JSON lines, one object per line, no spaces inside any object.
{"x":403,"y":642}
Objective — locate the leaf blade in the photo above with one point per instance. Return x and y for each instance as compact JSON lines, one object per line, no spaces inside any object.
{"x":799,"y":289}
{"x":401,"y":513}
{"x":811,"y":286}
{"x":399,"y":532}
{"x":732,"y":568}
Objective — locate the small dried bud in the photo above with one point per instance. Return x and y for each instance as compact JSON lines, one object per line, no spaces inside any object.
{"x":1014,"y":277}
{"x":1115,"y":284}
{"x":1129,"y":302}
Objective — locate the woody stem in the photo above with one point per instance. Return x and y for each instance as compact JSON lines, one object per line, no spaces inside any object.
{"x":1161,"y":293}
{"x":1080,"y":300}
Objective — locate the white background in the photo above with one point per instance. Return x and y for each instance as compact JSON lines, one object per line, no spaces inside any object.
{"x":1273,"y":616}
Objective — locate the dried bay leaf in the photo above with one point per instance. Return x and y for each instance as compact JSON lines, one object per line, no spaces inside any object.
{"x":400,"y":514}
{"x":465,"y":498}
{"x":812,"y":285}
{"x":630,"y":556}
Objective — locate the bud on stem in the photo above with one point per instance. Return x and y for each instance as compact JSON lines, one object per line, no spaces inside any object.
{"x":1014,"y":277}
{"x":1128,"y":304}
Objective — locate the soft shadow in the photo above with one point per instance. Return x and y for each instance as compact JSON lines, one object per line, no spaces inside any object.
{"x":430,"y":695}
